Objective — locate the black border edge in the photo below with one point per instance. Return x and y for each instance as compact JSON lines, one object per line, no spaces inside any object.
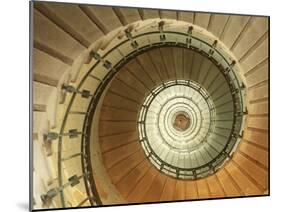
{"x":30,"y":106}
{"x":268,"y":105}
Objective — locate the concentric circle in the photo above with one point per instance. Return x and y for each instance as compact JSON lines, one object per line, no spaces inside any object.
{"x":181,"y":121}
{"x":178,"y":133}
{"x":166,"y":108}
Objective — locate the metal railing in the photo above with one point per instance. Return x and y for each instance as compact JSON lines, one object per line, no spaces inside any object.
{"x":137,"y":48}
{"x":161,"y":164}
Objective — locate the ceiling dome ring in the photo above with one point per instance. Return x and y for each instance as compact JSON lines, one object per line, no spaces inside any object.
{"x":165,"y":131}
{"x":180,"y":119}
{"x":154,"y":148}
{"x":166,"y":116}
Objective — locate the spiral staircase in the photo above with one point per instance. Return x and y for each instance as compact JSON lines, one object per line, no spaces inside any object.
{"x":144,"y":105}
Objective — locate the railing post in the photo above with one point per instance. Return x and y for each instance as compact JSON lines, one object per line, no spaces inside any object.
{"x":50,"y":136}
{"x":189,"y":34}
{"x":71,"y":89}
{"x":72,"y":181}
{"x":134,"y":43}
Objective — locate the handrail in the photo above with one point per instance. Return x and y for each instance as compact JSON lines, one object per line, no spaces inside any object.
{"x":86,"y":161}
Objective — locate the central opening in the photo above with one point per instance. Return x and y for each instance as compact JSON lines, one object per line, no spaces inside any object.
{"x":182,"y":122}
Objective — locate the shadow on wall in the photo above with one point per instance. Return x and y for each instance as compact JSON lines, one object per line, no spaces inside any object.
{"x":23,"y":206}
